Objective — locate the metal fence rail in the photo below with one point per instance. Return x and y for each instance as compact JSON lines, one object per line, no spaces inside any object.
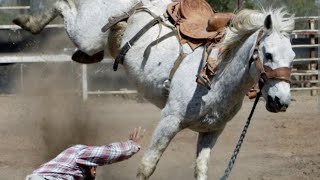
{"x":14,"y":7}
{"x":15,"y":27}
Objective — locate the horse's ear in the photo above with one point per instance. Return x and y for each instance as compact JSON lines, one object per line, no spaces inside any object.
{"x":268,"y":23}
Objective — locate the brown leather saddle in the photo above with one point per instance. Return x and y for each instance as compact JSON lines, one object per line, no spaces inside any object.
{"x":197,"y":22}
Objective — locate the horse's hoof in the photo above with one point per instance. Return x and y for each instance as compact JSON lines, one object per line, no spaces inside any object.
{"x":25,"y":23}
{"x":84,"y":58}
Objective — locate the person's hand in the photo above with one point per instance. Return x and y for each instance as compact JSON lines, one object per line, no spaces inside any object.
{"x":137,"y":135}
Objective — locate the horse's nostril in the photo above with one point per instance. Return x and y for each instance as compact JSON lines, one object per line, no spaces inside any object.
{"x":282,"y":106}
{"x":277,"y":101}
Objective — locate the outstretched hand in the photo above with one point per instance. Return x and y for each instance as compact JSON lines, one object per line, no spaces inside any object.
{"x":137,"y":135}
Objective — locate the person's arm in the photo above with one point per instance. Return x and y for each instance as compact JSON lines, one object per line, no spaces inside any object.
{"x":115,"y":152}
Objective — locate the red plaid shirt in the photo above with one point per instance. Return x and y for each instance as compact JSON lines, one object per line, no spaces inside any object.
{"x":69,"y":164}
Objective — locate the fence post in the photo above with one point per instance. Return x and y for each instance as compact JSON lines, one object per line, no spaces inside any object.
{"x":313,"y":64}
{"x":84,"y":82}
{"x":21,"y":78}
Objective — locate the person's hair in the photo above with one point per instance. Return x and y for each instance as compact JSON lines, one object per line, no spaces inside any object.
{"x":88,"y":175}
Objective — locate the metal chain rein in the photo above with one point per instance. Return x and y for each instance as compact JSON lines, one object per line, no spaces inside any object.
{"x":242,"y":136}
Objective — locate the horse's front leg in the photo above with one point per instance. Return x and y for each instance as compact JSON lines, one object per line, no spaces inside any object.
{"x":167,"y":128}
{"x":206,"y":141}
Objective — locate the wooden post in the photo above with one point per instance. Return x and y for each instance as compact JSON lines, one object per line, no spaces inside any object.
{"x":21,"y":79}
{"x":313,"y":64}
{"x":239,"y":4}
{"x":84,"y":82}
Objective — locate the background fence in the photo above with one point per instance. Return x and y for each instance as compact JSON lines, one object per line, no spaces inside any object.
{"x":20,"y":50}
{"x":305,"y":73}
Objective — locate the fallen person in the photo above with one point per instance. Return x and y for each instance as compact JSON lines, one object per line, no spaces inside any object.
{"x":80,"y":162}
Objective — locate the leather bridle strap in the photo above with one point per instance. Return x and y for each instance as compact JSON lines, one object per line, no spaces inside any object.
{"x":256,"y":59}
{"x":282,"y":73}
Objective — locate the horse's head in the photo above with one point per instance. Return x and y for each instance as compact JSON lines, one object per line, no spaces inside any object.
{"x":276,"y":56}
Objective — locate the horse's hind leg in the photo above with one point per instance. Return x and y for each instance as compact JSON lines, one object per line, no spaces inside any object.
{"x":163,"y":134}
{"x":206,"y":141}
{"x":35,"y":24}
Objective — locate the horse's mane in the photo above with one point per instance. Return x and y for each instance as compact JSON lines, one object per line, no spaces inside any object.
{"x":246,"y":22}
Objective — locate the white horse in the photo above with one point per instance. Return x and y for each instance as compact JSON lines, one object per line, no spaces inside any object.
{"x":189,"y":105}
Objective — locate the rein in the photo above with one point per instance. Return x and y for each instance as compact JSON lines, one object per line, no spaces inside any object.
{"x":266,"y":73}
{"x":240,"y":141}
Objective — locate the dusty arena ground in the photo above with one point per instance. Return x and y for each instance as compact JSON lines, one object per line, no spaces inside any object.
{"x":34,"y":128}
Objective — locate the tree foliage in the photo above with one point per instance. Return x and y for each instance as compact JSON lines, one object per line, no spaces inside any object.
{"x":297,"y":7}
{"x":230,"y":6}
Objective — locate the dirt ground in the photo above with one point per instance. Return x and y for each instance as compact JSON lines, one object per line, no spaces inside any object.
{"x":282,"y":146}
{"x":33,"y":129}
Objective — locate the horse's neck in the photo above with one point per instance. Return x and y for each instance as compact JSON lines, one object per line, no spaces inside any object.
{"x":235,"y":80}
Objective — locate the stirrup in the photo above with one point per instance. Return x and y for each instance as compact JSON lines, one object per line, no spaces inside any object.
{"x":166,"y":88}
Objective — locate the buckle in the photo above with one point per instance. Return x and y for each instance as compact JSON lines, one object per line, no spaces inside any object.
{"x":204,"y":81}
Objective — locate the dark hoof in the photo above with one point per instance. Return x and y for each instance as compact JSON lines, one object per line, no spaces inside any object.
{"x":84,"y":58}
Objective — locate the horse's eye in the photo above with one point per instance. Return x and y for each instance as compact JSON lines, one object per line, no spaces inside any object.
{"x":269,"y":56}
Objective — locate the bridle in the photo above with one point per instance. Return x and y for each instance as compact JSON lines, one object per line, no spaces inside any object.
{"x":267,"y":73}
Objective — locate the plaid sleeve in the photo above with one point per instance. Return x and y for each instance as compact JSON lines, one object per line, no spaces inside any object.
{"x":101,"y":155}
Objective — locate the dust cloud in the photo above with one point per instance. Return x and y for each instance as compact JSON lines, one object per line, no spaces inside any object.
{"x":64,"y":118}
{"x":54,"y":116}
